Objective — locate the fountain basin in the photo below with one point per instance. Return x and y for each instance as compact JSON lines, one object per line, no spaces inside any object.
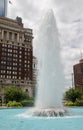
{"x":51,"y":112}
{"x":11,"y":121}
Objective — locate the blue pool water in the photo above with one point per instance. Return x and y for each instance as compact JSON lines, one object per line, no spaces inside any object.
{"x":9,"y":120}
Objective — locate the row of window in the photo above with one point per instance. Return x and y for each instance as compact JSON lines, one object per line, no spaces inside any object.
{"x":4,"y":63}
{"x":4,"y":50}
{"x":9,"y":46}
{"x":10,"y":60}
{"x":10,"y":36}
{"x":14,"y":36}
{"x":14,"y":54}
{"x":13,"y":77}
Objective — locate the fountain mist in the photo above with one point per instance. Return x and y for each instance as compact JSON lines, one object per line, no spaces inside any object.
{"x":50,"y":84}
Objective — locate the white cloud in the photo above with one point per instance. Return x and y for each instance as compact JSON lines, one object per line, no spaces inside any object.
{"x":69,"y":9}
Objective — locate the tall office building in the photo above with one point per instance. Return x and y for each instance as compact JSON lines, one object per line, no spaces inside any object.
{"x":78,"y":75}
{"x":3,"y":8}
{"x":16,"y":54}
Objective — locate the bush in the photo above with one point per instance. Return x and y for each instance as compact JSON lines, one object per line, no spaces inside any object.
{"x":27,"y":103}
{"x":73,"y":94}
{"x":76,"y":103}
{"x":69,"y":103}
{"x":14,"y":104}
{"x":79,"y":103}
{"x":13,"y":93}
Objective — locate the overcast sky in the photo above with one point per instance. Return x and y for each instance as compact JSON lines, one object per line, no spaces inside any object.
{"x":69,"y":18}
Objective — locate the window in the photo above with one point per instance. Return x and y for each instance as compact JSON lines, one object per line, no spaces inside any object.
{"x":28,"y":66}
{"x":4,"y":62}
{"x":5,"y":35}
{"x":9,"y":46}
{"x":3,"y":54}
{"x":19,"y":60}
{"x":25,"y":53}
{"x":13,"y":77}
{"x":15,"y":55}
{"x":20,"y":52}
{"x":10,"y":36}
{"x":4,"y":49}
{"x":7,"y":76}
{"x":19,"y":69}
{"x":15,"y":64}
{"x":14,"y":68}
{"x":28,"y":53}
{"x":25,"y":61}
{"x":15,"y":51}
{"x":25,"y":78}
{"x":15,"y":36}
{"x":26,"y":90}
{"x":20,"y":48}
{"x":3,"y":76}
{"x":19,"y":73}
{"x":25,"y":57}
{"x":3,"y":71}
{"x":15,"y":47}
{"x":4,"y":45}
{"x":19,"y":77}
{"x":28,"y":61}
{"x":9,"y":50}
{"x":25,"y":65}
{"x":19,"y":56}
{"x":9,"y":54}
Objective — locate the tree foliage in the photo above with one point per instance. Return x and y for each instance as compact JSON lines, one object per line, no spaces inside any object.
{"x":13,"y":93}
{"x":73,"y":94}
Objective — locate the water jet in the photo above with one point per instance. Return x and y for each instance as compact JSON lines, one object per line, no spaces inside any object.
{"x":50,"y":83}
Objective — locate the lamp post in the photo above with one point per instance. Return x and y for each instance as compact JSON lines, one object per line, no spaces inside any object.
{"x":72,"y":80}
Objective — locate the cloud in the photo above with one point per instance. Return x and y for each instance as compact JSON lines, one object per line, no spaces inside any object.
{"x":30,"y":10}
{"x":69,"y":9}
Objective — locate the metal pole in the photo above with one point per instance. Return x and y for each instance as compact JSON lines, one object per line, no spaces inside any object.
{"x":72,"y":80}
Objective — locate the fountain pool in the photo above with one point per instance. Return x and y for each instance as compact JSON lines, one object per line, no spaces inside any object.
{"x":9,"y":120}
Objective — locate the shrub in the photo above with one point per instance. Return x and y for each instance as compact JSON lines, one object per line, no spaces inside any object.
{"x":69,"y":103}
{"x":73,"y":94}
{"x":13,"y":93}
{"x":27,"y":103}
{"x":79,"y":103}
{"x":76,"y":103}
{"x":14,"y":104}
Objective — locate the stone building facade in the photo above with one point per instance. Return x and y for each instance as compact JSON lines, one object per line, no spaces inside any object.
{"x":16,"y":54}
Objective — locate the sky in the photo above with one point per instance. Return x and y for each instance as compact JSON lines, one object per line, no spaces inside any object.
{"x":69,"y":19}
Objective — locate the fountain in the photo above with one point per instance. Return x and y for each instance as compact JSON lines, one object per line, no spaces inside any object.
{"x":50,"y":71}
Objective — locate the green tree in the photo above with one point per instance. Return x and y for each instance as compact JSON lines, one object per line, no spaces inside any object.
{"x":73,"y":94}
{"x":13,"y":93}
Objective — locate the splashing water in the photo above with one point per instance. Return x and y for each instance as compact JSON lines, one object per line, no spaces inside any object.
{"x":50,"y":70}
{"x":50,"y":84}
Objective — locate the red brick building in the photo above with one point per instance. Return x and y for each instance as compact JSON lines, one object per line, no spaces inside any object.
{"x":78,"y":75}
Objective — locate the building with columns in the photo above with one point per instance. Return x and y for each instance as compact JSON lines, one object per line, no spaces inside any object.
{"x":16,"y":54}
